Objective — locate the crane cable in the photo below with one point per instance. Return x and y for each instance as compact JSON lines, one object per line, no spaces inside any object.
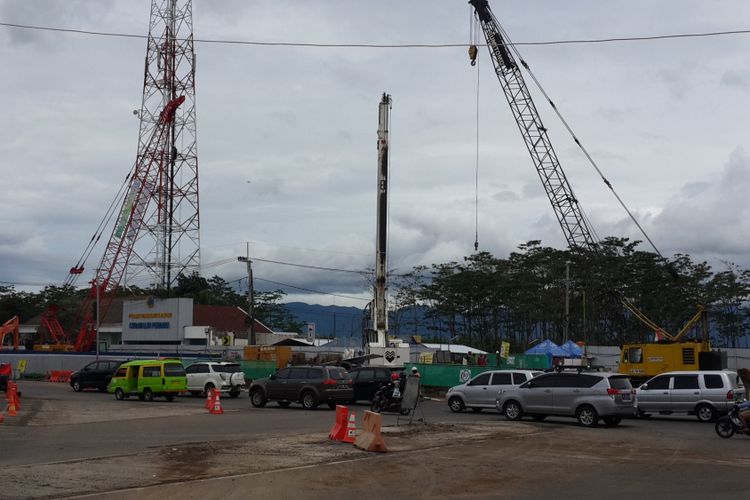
{"x":580,"y":145}
{"x":117,"y":201}
{"x":474,"y":35}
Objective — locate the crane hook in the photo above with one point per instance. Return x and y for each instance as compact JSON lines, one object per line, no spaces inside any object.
{"x":473,"y":54}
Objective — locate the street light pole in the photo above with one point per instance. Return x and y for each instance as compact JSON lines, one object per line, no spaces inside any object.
{"x":250,"y":297}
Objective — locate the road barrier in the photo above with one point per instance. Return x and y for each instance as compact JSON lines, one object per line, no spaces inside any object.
{"x":370,"y":439}
{"x":59,"y":375}
{"x":338,"y":431}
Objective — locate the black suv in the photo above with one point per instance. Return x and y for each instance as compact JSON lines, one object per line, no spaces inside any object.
{"x":368,"y":380}
{"x":95,"y":374}
{"x":309,"y":385}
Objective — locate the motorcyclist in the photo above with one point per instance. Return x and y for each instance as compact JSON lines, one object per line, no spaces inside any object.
{"x":744,"y":414}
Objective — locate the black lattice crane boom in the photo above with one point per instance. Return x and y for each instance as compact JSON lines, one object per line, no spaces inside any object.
{"x":564,"y":203}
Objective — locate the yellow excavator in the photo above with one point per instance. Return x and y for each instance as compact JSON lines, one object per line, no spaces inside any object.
{"x":641,"y":361}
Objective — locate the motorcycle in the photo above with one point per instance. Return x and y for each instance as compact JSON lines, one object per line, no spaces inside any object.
{"x":731,"y":423}
{"x":388,"y":398}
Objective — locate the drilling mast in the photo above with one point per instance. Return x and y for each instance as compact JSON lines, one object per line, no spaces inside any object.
{"x":169,"y":244}
{"x":390,"y":353}
{"x":380,"y":310}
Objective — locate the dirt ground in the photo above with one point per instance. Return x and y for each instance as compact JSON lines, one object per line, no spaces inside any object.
{"x":194,"y":461}
{"x":508,"y":460}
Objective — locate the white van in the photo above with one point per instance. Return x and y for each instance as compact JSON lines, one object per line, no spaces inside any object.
{"x":481,"y":391}
{"x":705,"y":394}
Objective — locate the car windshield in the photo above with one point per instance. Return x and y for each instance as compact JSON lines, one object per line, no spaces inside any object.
{"x":338,"y":373}
{"x":233,"y":368}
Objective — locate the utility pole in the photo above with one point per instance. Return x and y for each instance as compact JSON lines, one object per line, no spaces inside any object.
{"x":567,"y":301}
{"x":98,"y":319}
{"x":250,"y":296}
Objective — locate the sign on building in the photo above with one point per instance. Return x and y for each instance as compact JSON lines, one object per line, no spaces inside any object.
{"x":161,"y":320}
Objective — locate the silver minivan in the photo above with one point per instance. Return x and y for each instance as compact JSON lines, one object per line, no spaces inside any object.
{"x":705,"y":394}
{"x":481,"y":391}
{"x":587,"y":396}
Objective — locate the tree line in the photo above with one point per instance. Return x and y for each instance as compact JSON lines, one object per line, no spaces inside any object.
{"x":484,"y":300}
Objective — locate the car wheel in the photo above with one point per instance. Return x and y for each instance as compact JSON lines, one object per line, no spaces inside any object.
{"x":170,"y":397}
{"x":233,"y":393}
{"x":539,"y":418}
{"x":512,"y":410}
{"x":705,"y":413}
{"x":455,"y":404}
{"x":284,"y":404}
{"x":257,"y":398}
{"x":476,"y":410}
{"x":587,"y":416}
{"x":119,"y":394}
{"x":308,"y":400}
{"x":612,"y":420}
{"x":77,"y":386}
{"x":147,"y":394}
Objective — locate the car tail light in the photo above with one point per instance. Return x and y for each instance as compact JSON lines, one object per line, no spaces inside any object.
{"x":612,"y":392}
{"x":730,"y":396}
{"x":329,"y":381}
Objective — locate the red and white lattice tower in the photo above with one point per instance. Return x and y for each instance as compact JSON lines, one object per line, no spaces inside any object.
{"x":168,"y":242}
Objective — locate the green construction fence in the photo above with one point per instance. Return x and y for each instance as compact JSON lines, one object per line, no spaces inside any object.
{"x":444,"y":375}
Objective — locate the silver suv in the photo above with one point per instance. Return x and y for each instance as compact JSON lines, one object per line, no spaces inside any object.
{"x":705,"y":394}
{"x":587,"y":396}
{"x":481,"y":391}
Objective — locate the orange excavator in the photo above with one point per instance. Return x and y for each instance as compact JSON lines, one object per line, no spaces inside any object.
{"x":10,"y":327}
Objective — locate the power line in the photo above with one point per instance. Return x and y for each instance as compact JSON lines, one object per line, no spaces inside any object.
{"x":307,"y":266}
{"x":312,"y":291}
{"x":384,"y":46}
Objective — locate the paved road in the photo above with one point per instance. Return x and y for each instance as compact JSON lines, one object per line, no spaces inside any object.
{"x":468,"y":454}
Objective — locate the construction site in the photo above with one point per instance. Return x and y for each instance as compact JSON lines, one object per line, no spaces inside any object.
{"x":393,"y":244}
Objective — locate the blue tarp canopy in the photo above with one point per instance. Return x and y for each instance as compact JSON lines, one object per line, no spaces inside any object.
{"x":549,"y":348}
{"x":573,"y":349}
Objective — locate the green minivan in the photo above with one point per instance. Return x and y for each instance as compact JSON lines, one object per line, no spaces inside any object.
{"x":147,"y":378}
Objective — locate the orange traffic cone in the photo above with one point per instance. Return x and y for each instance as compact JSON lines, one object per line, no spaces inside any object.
{"x":209,"y":399}
{"x":13,"y":394}
{"x":216,"y":407}
{"x":351,"y":429}
{"x":11,"y":407}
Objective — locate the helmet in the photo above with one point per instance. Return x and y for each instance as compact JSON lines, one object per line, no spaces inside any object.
{"x":413,"y":369}
{"x":394,"y":376}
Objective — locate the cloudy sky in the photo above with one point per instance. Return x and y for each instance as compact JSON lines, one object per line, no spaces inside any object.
{"x":666,"y":120}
